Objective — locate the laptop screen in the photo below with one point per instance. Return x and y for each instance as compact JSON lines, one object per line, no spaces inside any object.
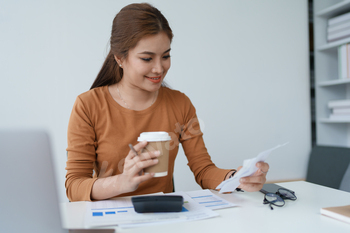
{"x":28,"y":197}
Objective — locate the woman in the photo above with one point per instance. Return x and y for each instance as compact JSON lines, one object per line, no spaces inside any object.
{"x":128,"y":98}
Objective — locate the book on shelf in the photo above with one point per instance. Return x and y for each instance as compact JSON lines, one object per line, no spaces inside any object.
{"x":338,"y":27}
{"x":341,"y":111}
{"x":341,"y":213}
{"x":343,"y":61}
{"x":339,"y":103}
{"x":338,"y":19}
{"x":338,"y":35}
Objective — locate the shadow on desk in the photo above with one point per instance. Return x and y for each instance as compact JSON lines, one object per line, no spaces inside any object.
{"x":330,"y":166}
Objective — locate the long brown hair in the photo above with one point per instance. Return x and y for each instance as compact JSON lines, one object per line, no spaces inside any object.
{"x":132,"y":23}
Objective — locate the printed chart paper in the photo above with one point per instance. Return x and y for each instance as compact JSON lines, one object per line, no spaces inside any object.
{"x":121,"y":212}
{"x":209,"y":200}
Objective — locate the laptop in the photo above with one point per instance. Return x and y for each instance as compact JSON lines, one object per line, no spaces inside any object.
{"x":28,"y":196}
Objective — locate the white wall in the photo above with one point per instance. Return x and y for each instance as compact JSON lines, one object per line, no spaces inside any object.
{"x":244,"y":64}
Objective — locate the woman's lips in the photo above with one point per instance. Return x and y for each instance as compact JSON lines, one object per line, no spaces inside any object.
{"x":156,"y":79}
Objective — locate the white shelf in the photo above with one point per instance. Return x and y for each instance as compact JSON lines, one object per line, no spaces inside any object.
{"x":333,"y":82}
{"x":333,"y":45}
{"x":326,"y":120}
{"x":334,"y":10}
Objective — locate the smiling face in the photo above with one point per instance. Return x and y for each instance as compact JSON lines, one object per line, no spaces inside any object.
{"x":147,"y":63}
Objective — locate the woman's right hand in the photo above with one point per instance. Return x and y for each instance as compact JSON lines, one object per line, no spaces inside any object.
{"x":131,"y":177}
{"x":134,"y":164}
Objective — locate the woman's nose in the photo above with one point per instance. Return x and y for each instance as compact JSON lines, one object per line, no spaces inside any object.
{"x":158,"y":67}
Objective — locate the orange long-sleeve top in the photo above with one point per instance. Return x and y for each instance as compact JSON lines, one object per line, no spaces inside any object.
{"x":100,"y":130}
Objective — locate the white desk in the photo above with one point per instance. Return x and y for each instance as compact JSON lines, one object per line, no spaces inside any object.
{"x":302,"y":215}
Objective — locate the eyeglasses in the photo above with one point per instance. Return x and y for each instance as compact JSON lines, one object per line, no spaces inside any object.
{"x":278,"y":198}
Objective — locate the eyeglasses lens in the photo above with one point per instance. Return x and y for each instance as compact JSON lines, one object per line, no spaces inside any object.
{"x":274,"y":199}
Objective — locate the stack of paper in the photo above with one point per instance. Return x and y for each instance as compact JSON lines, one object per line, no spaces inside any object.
{"x":197,"y":205}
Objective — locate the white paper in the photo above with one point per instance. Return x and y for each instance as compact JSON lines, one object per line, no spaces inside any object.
{"x":121,"y":212}
{"x":191,"y":211}
{"x":209,"y":200}
{"x":248,"y":169}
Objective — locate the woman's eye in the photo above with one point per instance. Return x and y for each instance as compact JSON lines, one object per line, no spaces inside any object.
{"x":166,"y":56}
{"x":146,"y":59}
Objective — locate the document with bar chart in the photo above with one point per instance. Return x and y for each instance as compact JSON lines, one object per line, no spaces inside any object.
{"x":209,"y":200}
{"x":120,"y":211}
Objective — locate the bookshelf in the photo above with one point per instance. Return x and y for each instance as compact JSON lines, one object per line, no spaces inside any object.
{"x":327,"y":85}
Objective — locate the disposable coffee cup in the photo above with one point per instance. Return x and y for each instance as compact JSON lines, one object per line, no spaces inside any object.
{"x":157,"y":141}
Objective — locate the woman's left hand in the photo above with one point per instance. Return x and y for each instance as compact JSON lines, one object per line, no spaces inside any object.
{"x":256,"y":181}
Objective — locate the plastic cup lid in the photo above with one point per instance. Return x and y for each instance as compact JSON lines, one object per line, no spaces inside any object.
{"x":154,"y":137}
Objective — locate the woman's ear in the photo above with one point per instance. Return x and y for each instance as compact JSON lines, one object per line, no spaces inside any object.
{"x":118,"y":60}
